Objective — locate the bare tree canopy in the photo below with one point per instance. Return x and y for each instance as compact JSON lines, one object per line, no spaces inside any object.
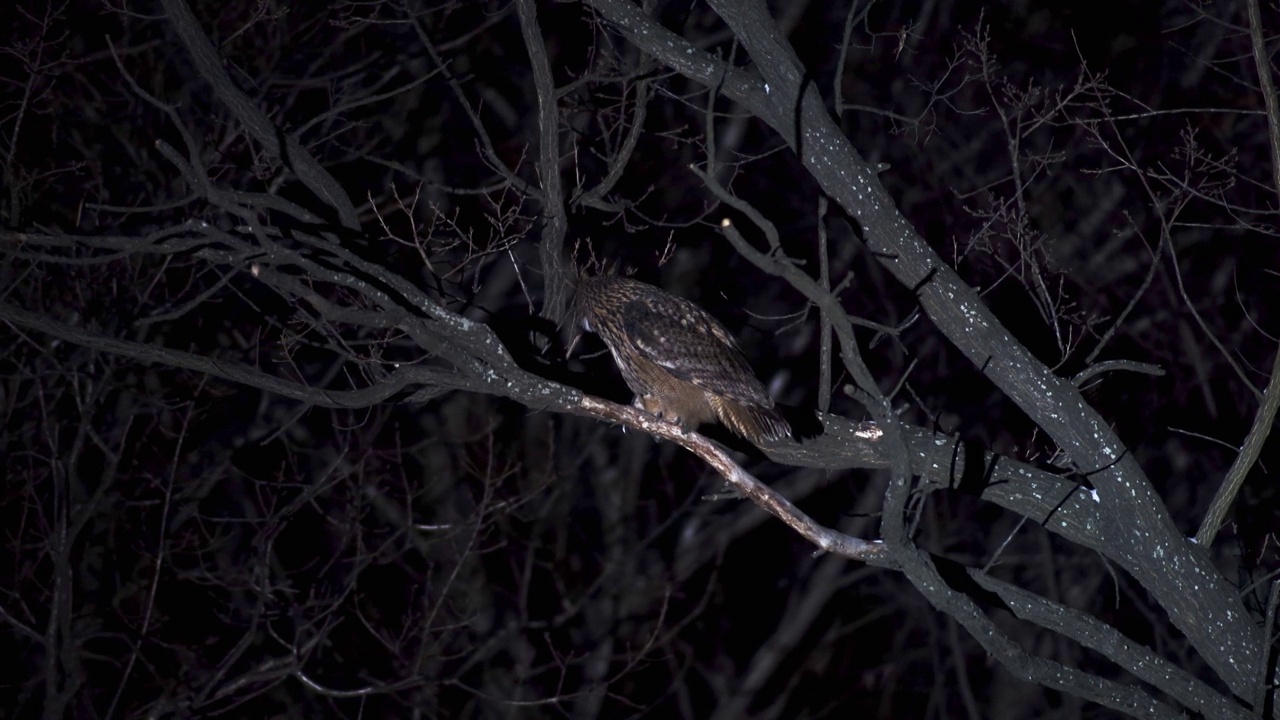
{"x":292,"y":427}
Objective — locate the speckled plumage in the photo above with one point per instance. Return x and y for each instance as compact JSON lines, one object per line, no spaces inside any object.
{"x":679,"y":361}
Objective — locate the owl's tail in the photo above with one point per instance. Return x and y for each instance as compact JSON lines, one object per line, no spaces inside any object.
{"x":752,"y":422}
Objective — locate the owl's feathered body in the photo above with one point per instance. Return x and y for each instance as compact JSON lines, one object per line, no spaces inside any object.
{"x":679,"y":361}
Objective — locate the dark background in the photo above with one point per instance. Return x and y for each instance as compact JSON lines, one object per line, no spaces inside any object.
{"x":178,"y":544}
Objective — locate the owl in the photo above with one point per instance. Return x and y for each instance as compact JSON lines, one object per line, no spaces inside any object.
{"x":680,"y":362}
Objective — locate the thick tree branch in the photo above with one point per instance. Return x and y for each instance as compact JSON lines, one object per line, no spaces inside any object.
{"x":1101,"y":637}
{"x":551,"y":251}
{"x":266,"y":133}
{"x":1139,"y":533}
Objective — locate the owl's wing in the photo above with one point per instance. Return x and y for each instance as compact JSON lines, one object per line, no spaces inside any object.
{"x":681,"y":337}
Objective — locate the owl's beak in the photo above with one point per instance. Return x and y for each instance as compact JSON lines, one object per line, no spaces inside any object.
{"x":577,"y":325}
{"x":573,"y":343}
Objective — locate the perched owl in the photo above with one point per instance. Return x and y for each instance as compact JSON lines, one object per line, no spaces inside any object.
{"x":679,"y":361}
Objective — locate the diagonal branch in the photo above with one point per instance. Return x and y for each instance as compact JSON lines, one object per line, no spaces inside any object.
{"x":277,"y":142}
{"x":1140,"y":535}
{"x":1266,"y":417}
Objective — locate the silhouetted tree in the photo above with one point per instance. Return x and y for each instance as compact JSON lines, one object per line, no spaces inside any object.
{"x":289,"y":428}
